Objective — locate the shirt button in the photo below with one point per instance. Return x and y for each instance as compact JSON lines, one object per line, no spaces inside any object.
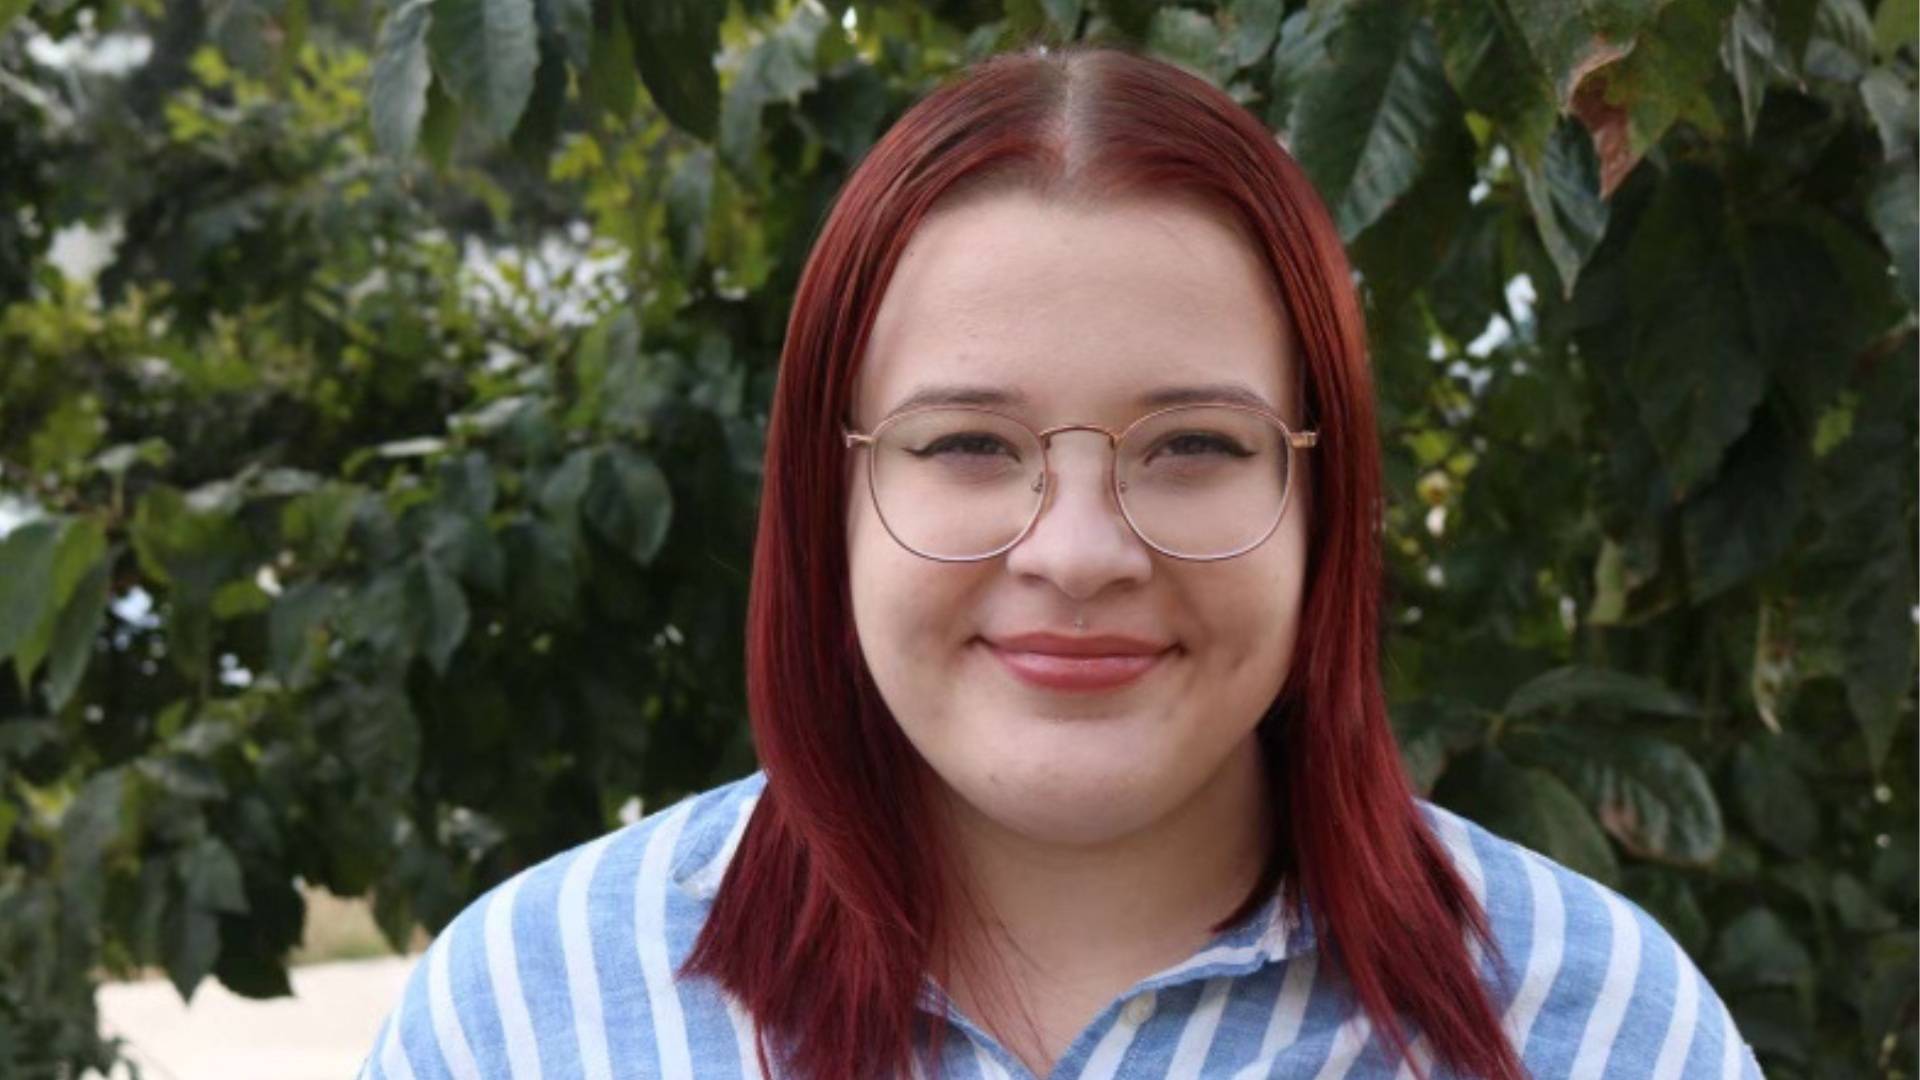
{"x":1136,"y":1011}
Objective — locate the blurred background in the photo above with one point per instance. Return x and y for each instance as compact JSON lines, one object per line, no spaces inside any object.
{"x":382,"y":390}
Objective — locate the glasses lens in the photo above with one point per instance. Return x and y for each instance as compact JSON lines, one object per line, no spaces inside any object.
{"x":1204,"y":482}
{"x":956,"y":483}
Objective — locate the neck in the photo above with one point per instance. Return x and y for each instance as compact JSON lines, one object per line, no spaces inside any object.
{"x":1081,"y":923}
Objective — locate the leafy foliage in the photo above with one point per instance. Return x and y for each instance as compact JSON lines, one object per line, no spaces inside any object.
{"x":379,"y":518}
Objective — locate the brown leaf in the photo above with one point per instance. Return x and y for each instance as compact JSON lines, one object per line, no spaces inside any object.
{"x":1608,"y":123}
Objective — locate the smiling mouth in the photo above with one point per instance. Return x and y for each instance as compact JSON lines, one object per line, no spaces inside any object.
{"x":1076,"y":672}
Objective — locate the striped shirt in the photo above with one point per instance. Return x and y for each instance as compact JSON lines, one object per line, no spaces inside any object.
{"x":567,"y":970}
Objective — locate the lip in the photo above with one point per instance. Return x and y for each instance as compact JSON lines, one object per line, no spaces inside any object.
{"x":1081,"y":664}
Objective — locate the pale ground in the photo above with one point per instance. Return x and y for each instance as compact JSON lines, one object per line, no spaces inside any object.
{"x":321,"y":1033}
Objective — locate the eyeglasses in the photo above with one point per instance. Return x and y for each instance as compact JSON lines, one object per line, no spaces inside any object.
{"x":956,"y":483}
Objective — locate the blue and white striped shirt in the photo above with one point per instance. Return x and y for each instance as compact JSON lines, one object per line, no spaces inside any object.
{"x":567,"y":970}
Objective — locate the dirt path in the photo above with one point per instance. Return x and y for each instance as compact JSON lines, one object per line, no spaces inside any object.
{"x":321,"y":1033}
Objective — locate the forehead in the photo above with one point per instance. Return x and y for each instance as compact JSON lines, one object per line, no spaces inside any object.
{"x":1077,"y":309}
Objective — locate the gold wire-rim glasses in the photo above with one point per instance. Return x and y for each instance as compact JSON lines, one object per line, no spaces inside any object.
{"x":1293,"y":440}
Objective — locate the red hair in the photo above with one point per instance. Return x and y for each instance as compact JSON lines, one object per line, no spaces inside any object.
{"x":829,"y":914}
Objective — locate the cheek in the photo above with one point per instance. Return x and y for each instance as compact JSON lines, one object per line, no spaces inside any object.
{"x":910,"y":614}
{"x":1250,"y":617}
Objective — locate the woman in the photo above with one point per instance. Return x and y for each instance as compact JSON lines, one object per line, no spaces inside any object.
{"x":1063,"y":671}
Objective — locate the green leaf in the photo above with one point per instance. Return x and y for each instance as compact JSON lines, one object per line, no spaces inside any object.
{"x":545,"y":580}
{"x":1566,"y":687}
{"x":611,"y":82}
{"x":1872,"y":550}
{"x":11,"y":10}
{"x":1256,"y":25}
{"x":117,"y":459}
{"x":485,"y":52}
{"x":438,"y":130}
{"x":296,"y":634}
{"x":466,"y":484}
{"x":1742,"y":522}
{"x":237,"y":599}
{"x":628,"y":503}
{"x":1894,"y":24}
{"x":1404,"y":248}
{"x":1887,"y":996}
{"x":1300,"y":57}
{"x":315,"y":525}
{"x":95,"y":827}
{"x":211,"y":877}
{"x":376,"y":613}
{"x":26,"y":580}
{"x":538,"y":131}
{"x":378,"y":736}
{"x":689,"y":203}
{"x":1365,"y":129}
{"x":74,"y":633}
{"x":67,"y":435}
{"x":436,"y":600}
{"x":1694,"y":370}
{"x":1568,"y":43}
{"x":193,"y":551}
{"x":1748,"y":54}
{"x":674,"y":42}
{"x":1645,"y":791}
{"x":1495,"y":75}
{"x":1891,"y":208}
{"x":190,"y":943}
{"x":1665,"y":894}
{"x":1563,"y":189}
{"x":1465,"y":291}
{"x":847,"y":109}
{"x":1889,"y":98}
{"x":609,"y":348}
{"x":573,"y":22}
{"x":1631,"y":102}
{"x":1130,"y":17}
{"x":397,"y":95}
{"x":463,"y":544}
{"x":82,"y":542}
{"x":177,"y":774}
{"x":1817,"y":290}
{"x":1189,"y":39}
{"x":1793,"y":22}
{"x":1858,"y":910}
{"x":1063,"y":14}
{"x":564,"y":488}
{"x":779,"y":68}
{"x":1531,"y":807}
{"x":1759,"y":949}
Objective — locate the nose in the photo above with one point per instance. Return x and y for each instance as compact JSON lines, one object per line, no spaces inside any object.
{"x":1080,"y":543}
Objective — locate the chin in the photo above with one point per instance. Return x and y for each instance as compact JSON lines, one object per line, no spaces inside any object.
{"x":1060,"y":799}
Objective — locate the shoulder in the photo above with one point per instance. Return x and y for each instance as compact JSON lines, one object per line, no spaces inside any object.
{"x":1588,"y":983}
{"x":547,"y":971}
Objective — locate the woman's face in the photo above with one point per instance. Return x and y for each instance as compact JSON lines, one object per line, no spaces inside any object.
{"x":1077,"y":316}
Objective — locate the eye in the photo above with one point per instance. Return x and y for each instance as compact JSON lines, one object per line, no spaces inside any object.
{"x":967,"y":444}
{"x":1199,"y":444}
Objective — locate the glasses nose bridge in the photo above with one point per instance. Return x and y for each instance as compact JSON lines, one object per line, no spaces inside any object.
{"x":1047,"y":436}
{"x":1108,"y":462}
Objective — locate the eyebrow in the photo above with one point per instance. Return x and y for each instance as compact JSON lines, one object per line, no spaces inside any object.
{"x":1229,"y":393}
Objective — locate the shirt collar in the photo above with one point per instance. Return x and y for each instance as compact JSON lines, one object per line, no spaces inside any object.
{"x":1271,"y":934}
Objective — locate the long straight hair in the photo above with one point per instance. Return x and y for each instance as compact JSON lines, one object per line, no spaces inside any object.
{"x":827,"y":923}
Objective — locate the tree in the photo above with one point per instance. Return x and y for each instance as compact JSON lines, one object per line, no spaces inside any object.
{"x":381,"y":521}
